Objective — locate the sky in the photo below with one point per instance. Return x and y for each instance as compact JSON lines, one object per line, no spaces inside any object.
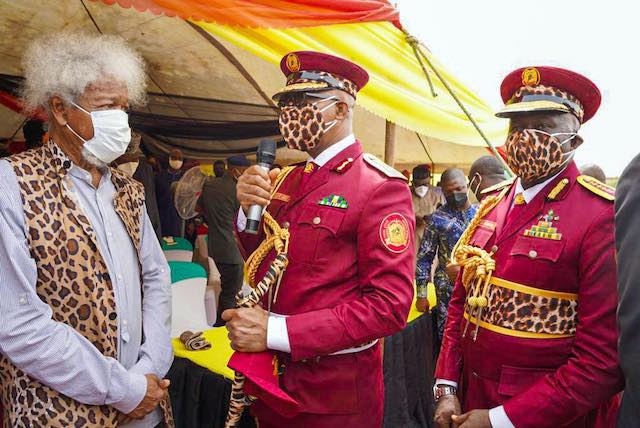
{"x":482,"y":41}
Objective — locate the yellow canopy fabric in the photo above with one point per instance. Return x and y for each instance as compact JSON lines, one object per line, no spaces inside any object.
{"x":397,"y":90}
{"x":217,"y":357}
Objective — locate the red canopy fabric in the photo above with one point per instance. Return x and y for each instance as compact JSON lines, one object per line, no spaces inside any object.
{"x":269,"y":13}
{"x":11,"y":101}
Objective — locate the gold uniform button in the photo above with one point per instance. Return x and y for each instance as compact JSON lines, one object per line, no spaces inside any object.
{"x":316,"y":220}
{"x":286,"y":224}
{"x":533,"y":254}
{"x":494,"y":249}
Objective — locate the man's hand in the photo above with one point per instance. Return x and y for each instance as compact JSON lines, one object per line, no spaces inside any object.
{"x":254,"y":187}
{"x":156,"y":391}
{"x":452,"y":271}
{"x":473,"y":419}
{"x":247,"y":328}
{"x":446,"y":407}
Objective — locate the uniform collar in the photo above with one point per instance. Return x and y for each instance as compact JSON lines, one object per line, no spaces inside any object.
{"x":533,"y":191}
{"x":331,"y":152}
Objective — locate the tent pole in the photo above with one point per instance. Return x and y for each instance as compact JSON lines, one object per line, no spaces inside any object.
{"x":390,"y":143}
{"x":414,"y":42}
{"x":147,"y":72}
{"x":433,"y":164}
{"x":234,"y":61}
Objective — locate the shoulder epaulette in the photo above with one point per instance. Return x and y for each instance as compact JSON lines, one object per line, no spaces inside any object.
{"x":600,"y":189}
{"x":382,"y":167}
{"x":498,"y":186}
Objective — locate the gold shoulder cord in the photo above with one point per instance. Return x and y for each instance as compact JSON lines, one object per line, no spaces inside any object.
{"x":478,"y":265}
{"x":276,"y":237}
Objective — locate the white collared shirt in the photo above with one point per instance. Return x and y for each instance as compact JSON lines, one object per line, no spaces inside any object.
{"x":331,"y":152}
{"x":532,"y":191}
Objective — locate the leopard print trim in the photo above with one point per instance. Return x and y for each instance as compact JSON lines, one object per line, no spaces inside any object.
{"x":516,"y":310}
{"x":547,"y":90}
{"x":72,"y":279}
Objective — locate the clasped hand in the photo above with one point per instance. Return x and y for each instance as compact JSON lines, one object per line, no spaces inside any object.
{"x":156,"y":391}
{"x":247,"y":328}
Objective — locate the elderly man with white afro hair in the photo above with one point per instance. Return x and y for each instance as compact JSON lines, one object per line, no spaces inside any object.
{"x":85,"y":300}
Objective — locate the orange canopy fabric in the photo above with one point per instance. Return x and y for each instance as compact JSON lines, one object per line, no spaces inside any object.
{"x":270,"y":13}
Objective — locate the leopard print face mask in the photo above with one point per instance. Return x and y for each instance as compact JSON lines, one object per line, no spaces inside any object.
{"x":533,"y":154}
{"x":303,"y":126}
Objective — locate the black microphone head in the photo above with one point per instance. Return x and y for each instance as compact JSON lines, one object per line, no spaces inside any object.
{"x":266,"y":152}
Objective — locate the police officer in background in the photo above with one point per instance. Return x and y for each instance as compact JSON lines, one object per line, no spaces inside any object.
{"x":531,"y":331}
{"x":351,"y":254}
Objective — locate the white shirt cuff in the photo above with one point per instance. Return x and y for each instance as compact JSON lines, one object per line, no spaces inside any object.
{"x":241,"y":223}
{"x":277,"y":334}
{"x":134,"y":395}
{"x":499,"y":419}
{"x":446,"y":382}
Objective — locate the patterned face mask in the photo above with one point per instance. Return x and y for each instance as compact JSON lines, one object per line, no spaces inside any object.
{"x":303,"y":126}
{"x":533,"y":154}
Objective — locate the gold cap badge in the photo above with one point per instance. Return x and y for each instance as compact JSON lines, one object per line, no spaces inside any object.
{"x":293,"y":62}
{"x":530,"y":76}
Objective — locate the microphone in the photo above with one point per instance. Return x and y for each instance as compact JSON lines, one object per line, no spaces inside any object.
{"x":265,"y":155}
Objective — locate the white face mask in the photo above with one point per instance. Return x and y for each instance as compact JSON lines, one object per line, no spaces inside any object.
{"x":175,"y":164}
{"x":129,"y":168}
{"x":111,"y":134}
{"x":421,"y":191}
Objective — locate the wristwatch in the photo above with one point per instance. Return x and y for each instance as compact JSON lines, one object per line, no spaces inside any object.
{"x":440,"y":391}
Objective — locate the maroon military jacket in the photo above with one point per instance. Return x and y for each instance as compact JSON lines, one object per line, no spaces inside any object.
{"x":348,"y":282}
{"x":557,"y":290}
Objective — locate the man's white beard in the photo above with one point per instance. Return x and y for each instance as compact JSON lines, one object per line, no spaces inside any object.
{"x":91,"y":159}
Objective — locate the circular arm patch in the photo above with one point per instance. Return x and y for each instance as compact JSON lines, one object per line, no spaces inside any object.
{"x":394,"y":233}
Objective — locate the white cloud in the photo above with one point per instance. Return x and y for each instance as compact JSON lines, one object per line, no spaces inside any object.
{"x":482,"y":41}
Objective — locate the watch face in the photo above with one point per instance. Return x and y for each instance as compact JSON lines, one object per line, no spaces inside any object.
{"x":442,"y":390}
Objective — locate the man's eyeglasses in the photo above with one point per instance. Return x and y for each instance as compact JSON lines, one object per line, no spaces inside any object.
{"x":300,"y":99}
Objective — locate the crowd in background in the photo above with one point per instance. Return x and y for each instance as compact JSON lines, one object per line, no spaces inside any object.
{"x":443,"y":210}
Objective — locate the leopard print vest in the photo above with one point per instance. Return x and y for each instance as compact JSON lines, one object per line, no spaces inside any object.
{"x":72,"y":279}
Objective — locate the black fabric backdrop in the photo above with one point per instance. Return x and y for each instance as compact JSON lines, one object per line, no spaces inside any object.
{"x":203,"y":127}
{"x":408,"y":376}
{"x":200,"y":398}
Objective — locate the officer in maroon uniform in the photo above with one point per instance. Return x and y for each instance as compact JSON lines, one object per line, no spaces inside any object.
{"x":531,"y":336}
{"x":349,"y":280}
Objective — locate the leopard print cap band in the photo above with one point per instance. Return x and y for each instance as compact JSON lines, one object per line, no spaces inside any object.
{"x":317,"y":80}
{"x":527,"y":94}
